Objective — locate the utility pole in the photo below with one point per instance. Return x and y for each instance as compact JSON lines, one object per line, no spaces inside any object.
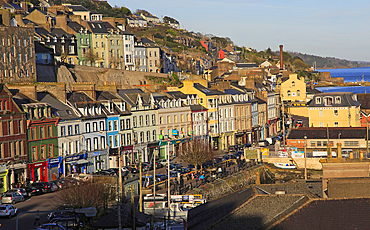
{"x":367,"y":135}
{"x":305,"y":157}
{"x":140,"y":186}
{"x":282,"y":102}
{"x":119,"y":181}
{"x":168,"y":180}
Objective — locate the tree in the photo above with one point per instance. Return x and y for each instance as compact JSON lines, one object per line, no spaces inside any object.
{"x":91,"y":57}
{"x":196,"y":152}
{"x":144,"y":12}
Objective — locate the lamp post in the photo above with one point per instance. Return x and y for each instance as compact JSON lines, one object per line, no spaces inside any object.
{"x":305,"y":157}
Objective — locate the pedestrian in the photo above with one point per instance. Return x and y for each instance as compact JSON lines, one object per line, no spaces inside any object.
{"x":192,"y":176}
{"x":37,"y":219}
{"x":201,"y":177}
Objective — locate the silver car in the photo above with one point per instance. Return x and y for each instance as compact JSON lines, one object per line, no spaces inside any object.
{"x":11,"y":198}
{"x":19,"y":190}
{"x":8,"y":210}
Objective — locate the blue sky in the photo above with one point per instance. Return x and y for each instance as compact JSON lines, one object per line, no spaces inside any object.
{"x":328,"y":28}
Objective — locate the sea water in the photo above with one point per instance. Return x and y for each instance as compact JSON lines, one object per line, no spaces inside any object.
{"x":349,"y":75}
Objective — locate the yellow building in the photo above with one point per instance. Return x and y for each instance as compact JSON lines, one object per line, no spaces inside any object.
{"x":292,"y":88}
{"x":334,"y":110}
{"x":209,"y":99}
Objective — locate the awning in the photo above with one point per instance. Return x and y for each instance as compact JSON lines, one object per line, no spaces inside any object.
{"x":78,"y":162}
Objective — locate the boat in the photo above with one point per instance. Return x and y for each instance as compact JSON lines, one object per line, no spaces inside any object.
{"x":285,"y":165}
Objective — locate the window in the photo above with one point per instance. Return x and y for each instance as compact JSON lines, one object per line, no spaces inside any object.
{"x":154,"y":135}
{"x":168,"y":119}
{"x":141,"y":137}
{"x":95,"y":143}
{"x":335,"y":112}
{"x":321,"y":113}
{"x":95,"y":126}
{"x":123,"y":139}
{"x":122,"y":124}
{"x":318,"y":100}
{"x":102,"y":126}
{"x":161,"y":120}
{"x":336,"y":124}
{"x":147,"y":120}
{"x":147,"y":136}
{"x":141,"y":121}
{"x":115,"y":125}
{"x":87,"y":125}
{"x":110,"y":126}
{"x":34,"y":153}
{"x":33,"y":133}
{"x":128,"y":125}
{"x":116,"y":142}
{"x":318,"y":143}
{"x":288,"y":93}
{"x":324,"y":143}
{"x":312,"y":144}
{"x":134,"y":120}
{"x":69,"y":130}
{"x":77,"y":146}
{"x":43,"y":151}
{"x":71,"y":49}
{"x":88,"y":144}
{"x":182,"y":118}
{"x":20,"y":126}
{"x":321,"y":124}
{"x":77,"y":129}
{"x":128,"y":139}
{"x":50,"y":150}
{"x":298,"y":93}
{"x":328,"y":101}
{"x":42,"y":132}
{"x":350,"y":143}
{"x":175,"y":119}
{"x":337,"y":100}
{"x":102,"y":142}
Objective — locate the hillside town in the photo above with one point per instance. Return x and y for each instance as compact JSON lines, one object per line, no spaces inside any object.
{"x":89,"y":98}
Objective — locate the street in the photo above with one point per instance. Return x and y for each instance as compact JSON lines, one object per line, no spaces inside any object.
{"x":44,"y":202}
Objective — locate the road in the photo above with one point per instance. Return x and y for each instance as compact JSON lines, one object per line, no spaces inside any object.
{"x":44,"y":202}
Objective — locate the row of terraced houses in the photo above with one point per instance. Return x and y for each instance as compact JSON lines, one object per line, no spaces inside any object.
{"x":46,"y":134}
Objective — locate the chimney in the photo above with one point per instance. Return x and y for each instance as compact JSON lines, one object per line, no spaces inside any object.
{"x":5,"y":17}
{"x":281,"y":57}
{"x":19,"y":18}
{"x":87,"y":87}
{"x":61,"y":22}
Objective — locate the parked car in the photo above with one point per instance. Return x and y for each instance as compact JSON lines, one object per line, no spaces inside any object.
{"x":68,"y":221}
{"x":49,"y":226}
{"x":164,"y":161}
{"x":19,"y":190}
{"x":8,"y":210}
{"x":12,"y":198}
{"x":263,"y":143}
{"x":32,"y":191}
{"x":43,"y":186}
{"x":175,"y":166}
{"x":183,"y":170}
{"x":54,"y":187}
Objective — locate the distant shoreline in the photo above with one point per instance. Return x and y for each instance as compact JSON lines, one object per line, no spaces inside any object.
{"x":343,"y":67}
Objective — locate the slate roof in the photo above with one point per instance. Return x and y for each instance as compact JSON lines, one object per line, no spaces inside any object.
{"x":312,"y":91}
{"x":329,"y":214}
{"x":97,"y":27}
{"x":75,"y":26}
{"x":207,"y":91}
{"x":78,"y":8}
{"x":364,"y":100}
{"x":260,"y":101}
{"x":40,"y":48}
{"x":108,"y":96}
{"x":58,"y":32}
{"x":310,"y":188}
{"x":258,"y":212}
{"x":65,"y":112}
{"x":198,"y":108}
{"x":246,"y":65}
{"x":346,"y":100}
{"x":321,"y":133}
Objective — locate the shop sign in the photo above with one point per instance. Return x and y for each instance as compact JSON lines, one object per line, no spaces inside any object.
{"x":175,"y":132}
{"x":2,"y":168}
{"x":74,"y":158}
{"x":54,"y":161}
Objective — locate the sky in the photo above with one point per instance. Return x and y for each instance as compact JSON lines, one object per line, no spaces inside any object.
{"x":327,"y":28}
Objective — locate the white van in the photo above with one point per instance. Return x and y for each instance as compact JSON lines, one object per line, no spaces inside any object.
{"x":345,"y":152}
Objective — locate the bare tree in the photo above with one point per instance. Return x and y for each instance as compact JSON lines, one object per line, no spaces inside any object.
{"x":91,"y":57}
{"x":197,"y":152}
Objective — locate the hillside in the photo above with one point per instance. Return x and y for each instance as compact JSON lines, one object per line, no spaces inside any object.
{"x":328,"y":62}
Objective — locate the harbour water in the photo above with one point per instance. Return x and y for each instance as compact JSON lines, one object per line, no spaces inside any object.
{"x":349,"y":75}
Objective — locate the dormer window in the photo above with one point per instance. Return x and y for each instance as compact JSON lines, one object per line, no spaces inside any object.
{"x":318,"y":100}
{"x":85,"y":111}
{"x":63,"y":41}
{"x":337,"y":100}
{"x":55,"y":39}
{"x":111,"y":107}
{"x":73,"y":40}
{"x":93,"y":110}
{"x":328,"y":101}
{"x":293,"y":83}
{"x":48,"y":39}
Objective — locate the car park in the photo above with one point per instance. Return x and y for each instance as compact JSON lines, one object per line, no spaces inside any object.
{"x":8,"y":211}
{"x":12,"y":198}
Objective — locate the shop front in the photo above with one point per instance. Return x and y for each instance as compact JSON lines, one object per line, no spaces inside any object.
{"x":76,"y":164}
{"x":153,"y":150}
{"x":239,"y":138}
{"x":17,"y":174}
{"x":55,"y":168}
{"x":38,"y":171}
{"x":140,"y":149}
{"x":128,"y":156}
{"x":3,"y":178}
